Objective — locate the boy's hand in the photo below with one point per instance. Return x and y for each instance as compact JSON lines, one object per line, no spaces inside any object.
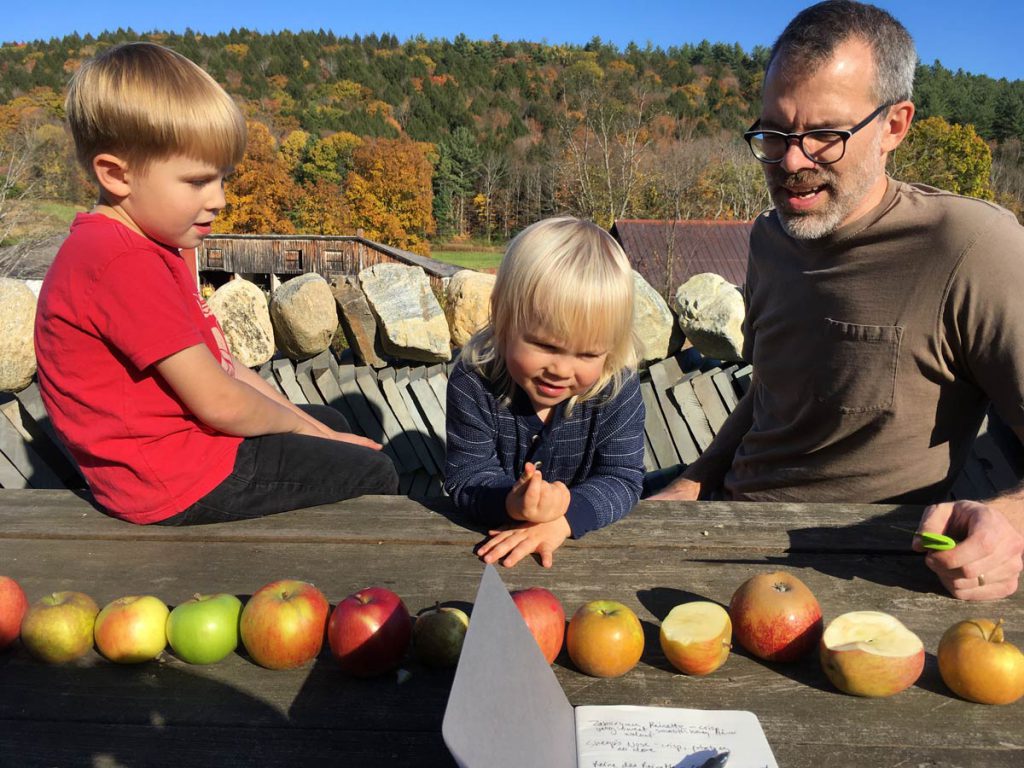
{"x":533,"y":500}
{"x":317,"y":429}
{"x":510,"y":545}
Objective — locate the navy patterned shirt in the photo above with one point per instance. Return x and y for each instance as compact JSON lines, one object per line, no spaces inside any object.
{"x":597,"y":452}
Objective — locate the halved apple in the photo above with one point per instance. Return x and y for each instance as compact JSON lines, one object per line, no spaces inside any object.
{"x":870,"y":653}
{"x":696,"y":637}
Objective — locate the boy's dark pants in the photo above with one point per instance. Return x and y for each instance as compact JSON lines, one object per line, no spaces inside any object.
{"x":275,"y":473}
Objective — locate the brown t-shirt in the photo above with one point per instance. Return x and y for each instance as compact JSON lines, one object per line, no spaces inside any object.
{"x":877,"y":350}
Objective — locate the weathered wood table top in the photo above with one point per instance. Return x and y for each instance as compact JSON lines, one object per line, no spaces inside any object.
{"x":234,"y":713}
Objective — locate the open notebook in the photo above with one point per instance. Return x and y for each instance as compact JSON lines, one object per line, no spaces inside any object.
{"x":506,"y":708}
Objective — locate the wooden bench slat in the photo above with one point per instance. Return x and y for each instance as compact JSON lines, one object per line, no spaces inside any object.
{"x":433,"y":411}
{"x":32,"y":402}
{"x":327,"y":386}
{"x":409,"y":426}
{"x":35,"y":473}
{"x":663,"y":448}
{"x":663,"y":378}
{"x":710,"y":401}
{"x":693,"y":414}
{"x":365,"y":418}
{"x":723,"y":382}
{"x":304,"y":378}
{"x":394,"y":437}
{"x":284,"y":372}
{"x":433,"y":445}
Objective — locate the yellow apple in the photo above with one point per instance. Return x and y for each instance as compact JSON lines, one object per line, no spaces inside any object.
{"x":132,"y":629}
{"x":605,"y":639}
{"x":979,"y":665}
{"x":870,"y":653}
{"x":696,"y":637}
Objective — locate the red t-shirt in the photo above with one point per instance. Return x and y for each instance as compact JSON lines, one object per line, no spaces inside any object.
{"x":113,"y":304}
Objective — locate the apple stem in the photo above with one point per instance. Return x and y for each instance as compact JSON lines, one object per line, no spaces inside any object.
{"x":997,"y":633}
{"x":195,"y":596}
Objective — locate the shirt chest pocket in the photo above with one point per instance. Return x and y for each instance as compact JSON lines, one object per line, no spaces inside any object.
{"x":857,"y":370}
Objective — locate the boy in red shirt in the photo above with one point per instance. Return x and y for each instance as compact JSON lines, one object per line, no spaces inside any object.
{"x":133,"y":369}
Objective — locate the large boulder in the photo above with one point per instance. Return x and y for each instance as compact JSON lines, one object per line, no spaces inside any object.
{"x":304,"y":316}
{"x":410,"y":318}
{"x":653,"y":321}
{"x":241,"y":309}
{"x":710,"y":311}
{"x":468,"y":306}
{"x":357,"y":322}
{"x":17,"y":348}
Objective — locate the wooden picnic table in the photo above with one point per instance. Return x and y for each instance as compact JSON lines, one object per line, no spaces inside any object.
{"x":234,"y":713}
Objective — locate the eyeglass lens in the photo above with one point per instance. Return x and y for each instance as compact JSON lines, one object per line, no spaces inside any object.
{"x":819,"y":146}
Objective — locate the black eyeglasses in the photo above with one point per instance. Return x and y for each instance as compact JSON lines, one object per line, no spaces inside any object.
{"x":822,"y":145}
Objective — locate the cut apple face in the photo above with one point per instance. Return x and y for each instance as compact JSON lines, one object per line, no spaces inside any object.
{"x":696,"y":637}
{"x":869,"y":653}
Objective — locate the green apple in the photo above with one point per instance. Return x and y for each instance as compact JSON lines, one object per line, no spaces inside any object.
{"x":438,"y":634}
{"x":59,"y":627}
{"x":204,"y":630}
{"x":132,"y":629}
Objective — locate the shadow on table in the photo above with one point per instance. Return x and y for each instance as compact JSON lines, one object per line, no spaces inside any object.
{"x":876,"y":550}
{"x":93,"y":713}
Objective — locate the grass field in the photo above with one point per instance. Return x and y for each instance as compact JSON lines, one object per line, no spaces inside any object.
{"x":469,"y":259}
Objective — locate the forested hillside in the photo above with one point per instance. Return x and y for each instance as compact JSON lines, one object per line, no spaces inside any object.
{"x":435,"y":138}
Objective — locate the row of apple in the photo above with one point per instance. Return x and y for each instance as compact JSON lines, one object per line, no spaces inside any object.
{"x":777,"y":618}
{"x":774,"y":616}
{"x":282,"y":626}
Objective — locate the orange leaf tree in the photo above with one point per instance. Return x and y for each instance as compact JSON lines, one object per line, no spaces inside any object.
{"x":261,"y":193}
{"x":389,"y":192}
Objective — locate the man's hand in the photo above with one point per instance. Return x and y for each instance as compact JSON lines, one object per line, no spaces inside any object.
{"x":512,"y":544}
{"x":534,"y":500}
{"x":680,"y":489}
{"x":987,"y":563}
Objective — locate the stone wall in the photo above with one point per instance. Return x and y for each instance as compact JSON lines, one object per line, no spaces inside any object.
{"x":390,"y":311}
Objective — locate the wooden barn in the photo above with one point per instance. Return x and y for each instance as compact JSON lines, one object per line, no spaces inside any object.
{"x":285,"y":256}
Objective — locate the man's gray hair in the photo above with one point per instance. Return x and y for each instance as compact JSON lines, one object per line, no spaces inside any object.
{"x":811,"y":38}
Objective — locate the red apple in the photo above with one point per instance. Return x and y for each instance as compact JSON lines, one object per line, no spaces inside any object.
{"x":776,"y":617}
{"x":13,"y":605}
{"x":545,"y":618}
{"x":132,"y":629}
{"x":369,"y":632}
{"x":58,"y":627}
{"x":605,"y":639}
{"x":282,"y":625}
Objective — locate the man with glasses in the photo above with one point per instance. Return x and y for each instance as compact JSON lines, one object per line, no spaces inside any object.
{"x":882,"y":318}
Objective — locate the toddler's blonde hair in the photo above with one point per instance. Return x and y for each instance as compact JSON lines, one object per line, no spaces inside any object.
{"x":567,"y":278}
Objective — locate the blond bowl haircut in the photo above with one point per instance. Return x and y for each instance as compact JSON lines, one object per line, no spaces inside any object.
{"x":569,"y":279}
{"x":143,"y":102}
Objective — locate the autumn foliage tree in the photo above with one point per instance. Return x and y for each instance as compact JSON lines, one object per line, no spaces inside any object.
{"x":388,"y":192}
{"x":947,"y":156}
{"x":261,"y":194}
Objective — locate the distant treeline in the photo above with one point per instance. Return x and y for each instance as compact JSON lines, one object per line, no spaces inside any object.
{"x":510,"y":131}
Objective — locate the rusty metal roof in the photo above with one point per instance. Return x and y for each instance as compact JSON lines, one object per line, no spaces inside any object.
{"x":689,"y":247}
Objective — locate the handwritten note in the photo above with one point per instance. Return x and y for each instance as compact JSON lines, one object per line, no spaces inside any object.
{"x":666,"y":737}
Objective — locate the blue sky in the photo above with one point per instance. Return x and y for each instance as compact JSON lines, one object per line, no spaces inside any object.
{"x":981,"y":36}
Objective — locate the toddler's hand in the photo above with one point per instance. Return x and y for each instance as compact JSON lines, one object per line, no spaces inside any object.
{"x":534,"y":500}
{"x":512,"y":544}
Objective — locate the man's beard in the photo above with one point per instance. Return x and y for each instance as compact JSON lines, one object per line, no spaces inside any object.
{"x":845,"y":192}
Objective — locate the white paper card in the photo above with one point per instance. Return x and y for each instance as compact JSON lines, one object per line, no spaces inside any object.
{"x":668,"y":737}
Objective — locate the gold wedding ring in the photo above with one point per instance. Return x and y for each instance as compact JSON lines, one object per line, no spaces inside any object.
{"x":981,"y":580}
